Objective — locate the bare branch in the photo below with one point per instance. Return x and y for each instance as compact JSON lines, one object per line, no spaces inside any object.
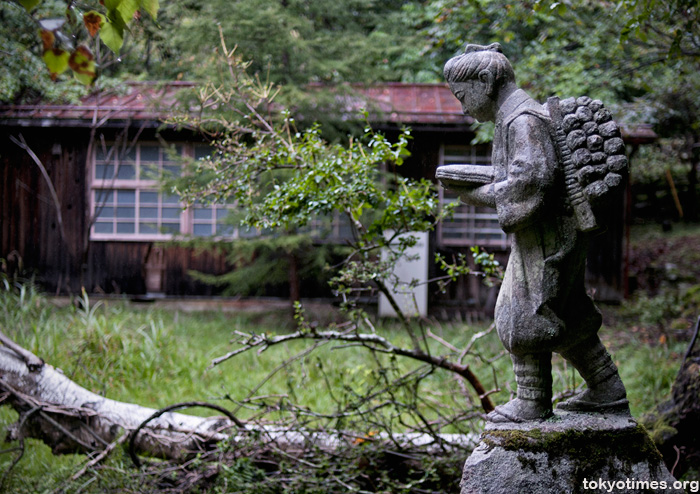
{"x":57,"y":203}
{"x":372,"y":341}
{"x":101,"y":456}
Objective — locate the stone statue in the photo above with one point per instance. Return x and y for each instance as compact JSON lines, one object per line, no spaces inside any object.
{"x":542,"y":192}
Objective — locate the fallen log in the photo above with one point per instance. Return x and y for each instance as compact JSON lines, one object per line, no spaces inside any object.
{"x":72,"y":419}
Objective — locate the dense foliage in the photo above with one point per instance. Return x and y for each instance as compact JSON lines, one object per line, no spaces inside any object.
{"x":290,"y":182}
{"x":51,"y":37}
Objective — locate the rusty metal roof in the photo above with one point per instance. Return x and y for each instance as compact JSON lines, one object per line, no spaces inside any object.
{"x":415,"y":103}
{"x":150,"y":102}
{"x":142,"y":101}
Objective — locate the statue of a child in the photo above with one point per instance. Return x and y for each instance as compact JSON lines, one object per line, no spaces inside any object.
{"x":542,"y":305}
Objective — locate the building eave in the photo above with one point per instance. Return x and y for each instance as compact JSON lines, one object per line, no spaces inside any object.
{"x":147,"y":104}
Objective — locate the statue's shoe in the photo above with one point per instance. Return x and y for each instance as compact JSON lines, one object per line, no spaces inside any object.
{"x":518,"y":411}
{"x":580,"y":404}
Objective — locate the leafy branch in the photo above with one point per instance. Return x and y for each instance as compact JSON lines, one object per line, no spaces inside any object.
{"x":287,"y":180}
{"x":66,"y":38}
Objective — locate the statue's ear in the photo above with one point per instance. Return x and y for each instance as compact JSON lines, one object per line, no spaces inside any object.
{"x":489,"y":80}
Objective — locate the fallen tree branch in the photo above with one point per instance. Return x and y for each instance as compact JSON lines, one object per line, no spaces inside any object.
{"x":188,"y":404}
{"x":91,"y":423}
{"x":99,"y":457}
{"x":370,"y":340}
{"x":33,"y":362}
{"x":73,"y":419}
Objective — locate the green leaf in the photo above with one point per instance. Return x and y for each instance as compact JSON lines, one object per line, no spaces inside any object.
{"x":150,"y":6}
{"x":112,"y":4}
{"x":127,"y":9}
{"x":116,"y":18}
{"x":56,"y":61}
{"x":29,"y":4}
{"x":112,"y":35}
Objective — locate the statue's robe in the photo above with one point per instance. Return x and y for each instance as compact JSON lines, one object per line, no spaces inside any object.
{"x":542,"y":305}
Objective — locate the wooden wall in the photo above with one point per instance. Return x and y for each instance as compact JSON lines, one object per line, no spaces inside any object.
{"x":30,"y":230}
{"x":31,"y":233}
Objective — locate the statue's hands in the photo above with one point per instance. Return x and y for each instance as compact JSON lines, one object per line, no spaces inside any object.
{"x":464,"y":176}
{"x":482,"y":196}
{"x":473,"y":183}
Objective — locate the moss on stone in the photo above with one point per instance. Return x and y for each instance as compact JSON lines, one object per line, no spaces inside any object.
{"x":528,"y":462}
{"x":660,"y":431}
{"x":592,"y":450}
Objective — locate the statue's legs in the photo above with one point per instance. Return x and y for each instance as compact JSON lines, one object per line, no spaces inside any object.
{"x":533,"y":375}
{"x":605,"y":389}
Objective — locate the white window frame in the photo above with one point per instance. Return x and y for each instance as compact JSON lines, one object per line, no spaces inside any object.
{"x":470,"y":225}
{"x":104,"y":212}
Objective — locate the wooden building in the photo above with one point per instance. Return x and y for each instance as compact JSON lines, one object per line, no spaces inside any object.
{"x":74,"y":221}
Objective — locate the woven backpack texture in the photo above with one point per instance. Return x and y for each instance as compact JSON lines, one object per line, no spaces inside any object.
{"x":592,"y":153}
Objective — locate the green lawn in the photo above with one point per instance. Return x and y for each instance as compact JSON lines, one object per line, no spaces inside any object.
{"x":155,"y":358}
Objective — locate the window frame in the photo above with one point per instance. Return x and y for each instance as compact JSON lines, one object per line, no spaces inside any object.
{"x":186,"y":218}
{"x":470,"y":225}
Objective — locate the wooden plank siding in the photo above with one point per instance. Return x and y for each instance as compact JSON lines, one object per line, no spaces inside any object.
{"x":59,"y":135}
{"x":30,"y":233}
{"x":30,"y":227}
{"x":30,"y":224}
{"x":118,"y":267}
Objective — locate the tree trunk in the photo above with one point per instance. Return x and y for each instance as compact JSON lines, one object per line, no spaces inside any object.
{"x":673,"y":425}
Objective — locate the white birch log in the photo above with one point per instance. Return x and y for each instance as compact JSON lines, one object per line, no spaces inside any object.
{"x":70,"y":418}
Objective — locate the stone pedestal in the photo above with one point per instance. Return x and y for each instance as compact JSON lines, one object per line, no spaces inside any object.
{"x":568,"y":453}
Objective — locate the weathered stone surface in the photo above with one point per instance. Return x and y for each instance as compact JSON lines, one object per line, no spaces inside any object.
{"x":542,"y":305}
{"x":568,"y":453}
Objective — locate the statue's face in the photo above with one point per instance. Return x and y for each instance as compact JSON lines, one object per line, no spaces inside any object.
{"x":475,"y":99}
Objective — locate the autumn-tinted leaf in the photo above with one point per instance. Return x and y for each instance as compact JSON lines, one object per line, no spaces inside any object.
{"x":47,"y":38}
{"x":93,"y":22}
{"x":81,"y":59}
{"x":82,"y":62}
{"x":56,"y":61}
{"x":150,"y":6}
{"x":29,"y":4}
{"x":112,"y":35}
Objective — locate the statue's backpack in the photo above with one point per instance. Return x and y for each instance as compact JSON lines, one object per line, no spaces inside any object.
{"x":592,"y":154}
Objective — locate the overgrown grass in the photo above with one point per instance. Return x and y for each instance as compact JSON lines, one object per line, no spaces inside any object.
{"x":156,"y":358}
{"x":644,"y":233}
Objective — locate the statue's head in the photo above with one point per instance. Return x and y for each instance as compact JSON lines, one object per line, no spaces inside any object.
{"x":476,"y":76}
